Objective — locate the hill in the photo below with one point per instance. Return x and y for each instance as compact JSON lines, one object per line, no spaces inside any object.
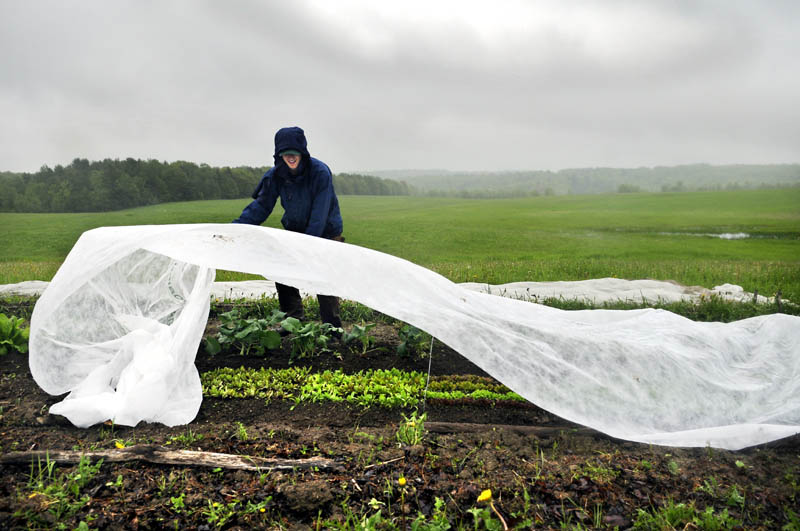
{"x":694,"y":177}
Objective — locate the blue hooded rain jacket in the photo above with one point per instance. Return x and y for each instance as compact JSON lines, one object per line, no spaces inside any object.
{"x":308,"y":198}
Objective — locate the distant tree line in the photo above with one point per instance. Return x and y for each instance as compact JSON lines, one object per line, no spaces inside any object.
{"x":355,"y":184}
{"x":684,"y":178}
{"x":84,"y":186}
{"x":486,"y":193}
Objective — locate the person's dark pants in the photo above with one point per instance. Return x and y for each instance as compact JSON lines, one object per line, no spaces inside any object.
{"x":291,"y":303}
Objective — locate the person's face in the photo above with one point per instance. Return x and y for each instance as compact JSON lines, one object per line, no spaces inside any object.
{"x":292,"y":161}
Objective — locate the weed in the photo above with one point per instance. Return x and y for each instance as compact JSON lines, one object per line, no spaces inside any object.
{"x":186,"y":438}
{"x":118,"y":485}
{"x":177,"y":503}
{"x":681,"y":515}
{"x":734,"y":498}
{"x":119,"y":444}
{"x":793,"y":521}
{"x":412,"y":430}
{"x":673,"y":467}
{"x":107,"y":431}
{"x":241,"y":432}
{"x":353,"y":521}
{"x":596,"y":472}
{"x":483,"y":516}
{"x":58,"y":495}
{"x":218,"y":514}
{"x":257,"y":508}
{"x":167,"y":484}
{"x":790,"y":479}
{"x":378,"y":446}
{"x":305,"y":450}
{"x":522,"y":515}
{"x":597,"y":515}
{"x":710,"y":486}
{"x":439,"y":520}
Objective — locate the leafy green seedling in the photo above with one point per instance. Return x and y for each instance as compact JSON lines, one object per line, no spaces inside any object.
{"x":309,"y":339}
{"x":177,"y":502}
{"x":241,"y":432}
{"x":412,"y":341}
{"x":13,"y":334}
{"x":361,"y":334}
{"x":673,"y":468}
{"x":248,"y":335}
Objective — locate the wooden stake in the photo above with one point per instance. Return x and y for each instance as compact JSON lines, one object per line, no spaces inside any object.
{"x":163,"y":456}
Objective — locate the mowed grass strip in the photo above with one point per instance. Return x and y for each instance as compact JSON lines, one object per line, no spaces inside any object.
{"x":649,"y":235}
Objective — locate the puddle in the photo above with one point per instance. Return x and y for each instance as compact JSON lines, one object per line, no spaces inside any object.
{"x":723,"y":236}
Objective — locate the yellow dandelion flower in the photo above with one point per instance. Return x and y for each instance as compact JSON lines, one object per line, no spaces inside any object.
{"x":119,"y":444}
{"x":262,"y":510}
{"x":401,"y":481}
{"x":485,"y":495}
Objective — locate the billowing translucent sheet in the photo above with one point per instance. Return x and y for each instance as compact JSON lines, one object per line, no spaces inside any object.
{"x":119,"y":326}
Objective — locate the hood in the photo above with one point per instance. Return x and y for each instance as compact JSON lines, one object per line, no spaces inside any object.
{"x":291,"y":138}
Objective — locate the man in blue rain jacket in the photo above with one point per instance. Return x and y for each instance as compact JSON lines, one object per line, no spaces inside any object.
{"x":305,"y":186}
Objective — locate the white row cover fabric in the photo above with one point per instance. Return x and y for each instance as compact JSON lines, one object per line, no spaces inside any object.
{"x":119,"y":326}
{"x":600,"y":290}
{"x":597,"y":291}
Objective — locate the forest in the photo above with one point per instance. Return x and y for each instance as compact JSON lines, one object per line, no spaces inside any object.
{"x":84,"y":186}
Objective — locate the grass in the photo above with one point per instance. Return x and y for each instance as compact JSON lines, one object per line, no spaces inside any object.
{"x":649,"y":235}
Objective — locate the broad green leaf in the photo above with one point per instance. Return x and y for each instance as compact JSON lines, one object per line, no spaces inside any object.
{"x":271,"y":339}
{"x":246,"y":332}
{"x":291,"y":324}
{"x":5,"y":326}
{"x":212,"y":346}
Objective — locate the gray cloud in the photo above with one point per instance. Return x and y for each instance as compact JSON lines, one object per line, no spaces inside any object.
{"x":458,"y":85}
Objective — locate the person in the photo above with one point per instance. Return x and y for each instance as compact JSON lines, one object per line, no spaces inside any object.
{"x":305,"y":186}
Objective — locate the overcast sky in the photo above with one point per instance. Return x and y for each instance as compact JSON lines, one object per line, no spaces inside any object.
{"x":459,"y":85}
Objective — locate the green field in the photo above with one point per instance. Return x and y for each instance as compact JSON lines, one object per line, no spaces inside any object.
{"x":653,"y":235}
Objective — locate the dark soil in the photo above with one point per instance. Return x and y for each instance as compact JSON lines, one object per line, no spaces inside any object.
{"x":563,"y":478}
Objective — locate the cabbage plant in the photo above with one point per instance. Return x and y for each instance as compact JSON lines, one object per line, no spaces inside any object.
{"x":248,"y":335}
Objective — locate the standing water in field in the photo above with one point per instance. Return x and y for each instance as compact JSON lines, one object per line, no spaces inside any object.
{"x":119,"y":326}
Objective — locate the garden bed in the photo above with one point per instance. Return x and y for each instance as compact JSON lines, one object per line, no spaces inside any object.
{"x":542,"y":470}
